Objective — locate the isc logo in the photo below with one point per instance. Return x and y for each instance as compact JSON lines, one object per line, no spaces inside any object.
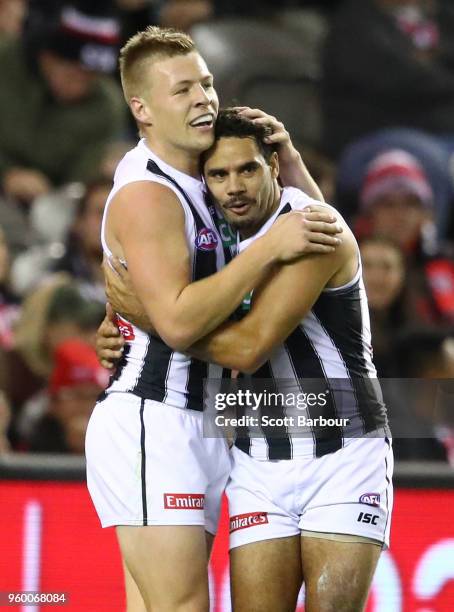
{"x":365,"y":517}
{"x":206,"y":240}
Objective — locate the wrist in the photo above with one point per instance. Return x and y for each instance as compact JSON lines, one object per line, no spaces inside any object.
{"x":290,"y":155}
{"x":267,"y":244}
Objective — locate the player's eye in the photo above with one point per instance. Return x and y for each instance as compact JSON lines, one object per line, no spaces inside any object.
{"x":249,"y":169}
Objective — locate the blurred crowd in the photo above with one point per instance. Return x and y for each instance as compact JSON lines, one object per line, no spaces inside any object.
{"x":366,"y":89}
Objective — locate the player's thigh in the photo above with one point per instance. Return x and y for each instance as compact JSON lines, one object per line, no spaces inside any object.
{"x":266,"y":576}
{"x":134,"y":599}
{"x":209,"y":540}
{"x":337,"y":574}
{"x":169,"y":565}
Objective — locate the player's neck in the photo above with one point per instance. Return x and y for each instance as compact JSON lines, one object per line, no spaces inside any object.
{"x":184,"y":161}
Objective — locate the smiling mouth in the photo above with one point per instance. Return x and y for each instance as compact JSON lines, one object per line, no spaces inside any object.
{"x":204,"y":122}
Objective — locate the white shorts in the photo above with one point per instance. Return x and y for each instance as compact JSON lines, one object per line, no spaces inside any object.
{"x":346,"y":492}
{"x":149,"y":464}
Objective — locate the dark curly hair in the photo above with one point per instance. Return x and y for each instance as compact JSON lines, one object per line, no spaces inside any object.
{"x":230,"y":124}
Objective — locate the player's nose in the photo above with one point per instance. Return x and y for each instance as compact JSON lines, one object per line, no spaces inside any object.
{"x":235,"y":185}
{"x":203,"y":96}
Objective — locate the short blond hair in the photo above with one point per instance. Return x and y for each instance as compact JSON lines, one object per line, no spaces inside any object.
{"x":153,"y":42}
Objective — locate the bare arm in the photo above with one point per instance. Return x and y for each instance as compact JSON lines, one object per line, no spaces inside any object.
{"x":121,"y":292}
{"x":147,"y":224}
{"x":279,"y":306}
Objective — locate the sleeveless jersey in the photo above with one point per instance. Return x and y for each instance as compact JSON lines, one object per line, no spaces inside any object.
{"x":149,"y":368}
{"x":331,"y":344}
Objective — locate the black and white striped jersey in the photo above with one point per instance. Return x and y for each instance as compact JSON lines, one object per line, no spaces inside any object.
{"x":149,"y":368}
{"x":332,"y":344}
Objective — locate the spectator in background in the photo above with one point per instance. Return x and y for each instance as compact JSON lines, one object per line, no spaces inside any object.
{"x":54,"y":312}
{"x":59,"y":108}
{"x":384,"y":278}
{"x":425,"y":408}
{"x":427,"y":149}
{"x":388,"y":63}
{"x":83,"y":251}
{"x":67,"y":224}
{"x":75,"y":383}
{"x":79,"y":252}
{"x":396,"y":201}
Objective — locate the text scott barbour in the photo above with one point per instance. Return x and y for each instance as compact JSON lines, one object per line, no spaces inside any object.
{"x":300,"y":420}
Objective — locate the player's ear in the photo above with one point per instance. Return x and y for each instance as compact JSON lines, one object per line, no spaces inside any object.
{"x":140,"y":110}
{"x":274,"y":165}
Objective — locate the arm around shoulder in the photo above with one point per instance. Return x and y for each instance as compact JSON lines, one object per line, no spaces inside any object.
{"x":149,"y":226}
{"x":278,"y":307}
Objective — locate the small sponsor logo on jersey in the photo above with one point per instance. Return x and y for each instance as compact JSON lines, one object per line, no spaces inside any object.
{"x":372,"y":499}
{"x":243,"y":521}
{"x":125,"y":328}
{"x":370,"y":519}
{"x":228,"y":236}
{"x":206,"y":240}
{"x":184,"y":501}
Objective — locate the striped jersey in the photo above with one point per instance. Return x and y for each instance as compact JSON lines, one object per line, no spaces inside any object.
{"x":331,"y":349}
{"x":149,"y":368}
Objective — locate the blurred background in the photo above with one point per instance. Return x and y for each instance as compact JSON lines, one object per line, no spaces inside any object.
{"x":366,"y":90}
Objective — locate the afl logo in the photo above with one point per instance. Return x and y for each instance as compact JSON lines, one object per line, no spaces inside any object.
{"x":371,"y":499}
{"x":206,"y":240}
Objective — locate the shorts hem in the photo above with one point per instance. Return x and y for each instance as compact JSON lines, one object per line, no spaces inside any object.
{"x":374,"y":540}
{"x":150,"y":523}
{"x":321,"y":535}
{"x":271,"y":536}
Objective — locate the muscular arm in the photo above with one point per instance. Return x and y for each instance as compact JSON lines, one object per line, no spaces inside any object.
{"x":278,"y":307}
{"x":147,"y":224}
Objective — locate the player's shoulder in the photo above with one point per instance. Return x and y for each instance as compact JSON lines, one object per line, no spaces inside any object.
{"x":142,"y":203}
{"x":133,"y":165}
{"x":298,"y":200}
{"x":133,"y":177}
